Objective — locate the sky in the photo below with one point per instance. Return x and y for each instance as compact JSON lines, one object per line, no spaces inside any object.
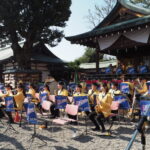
{"x":77,"y":24}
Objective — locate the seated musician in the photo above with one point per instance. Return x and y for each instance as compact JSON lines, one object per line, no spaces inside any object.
{"x":19,"y":97}
{"x":102,"y":109}
{"x":78,"y":92}
{"x":32,"y":92}
{"x":61,"y":91}
{"x":92,"y":93}
{"x":45,"y":89}
{"x":114,"y":89}
{"x":8,"y":92}
{"x":142,"y":89}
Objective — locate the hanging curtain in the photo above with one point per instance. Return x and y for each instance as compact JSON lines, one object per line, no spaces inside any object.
{"x":141,"y":35}
{"x":107,"y":41}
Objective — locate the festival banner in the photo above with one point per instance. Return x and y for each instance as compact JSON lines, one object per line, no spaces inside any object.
{"x":82,"y":102}
{"x":61,"y":101}
{"x":31,"y":114}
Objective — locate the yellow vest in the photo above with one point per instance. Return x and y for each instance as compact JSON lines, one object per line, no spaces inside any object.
{"x":105,"y":106}
{"x":143,"y":90}
{"x":8,"y":93}
{"x":63,"y":92}
{"x":79,"y":94}
{"x":32,"y":92}
{"x":91,"y":95}
{"x":19,"y":99}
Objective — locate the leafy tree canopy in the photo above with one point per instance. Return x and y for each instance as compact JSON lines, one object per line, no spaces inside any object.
{"x":33,"y":21}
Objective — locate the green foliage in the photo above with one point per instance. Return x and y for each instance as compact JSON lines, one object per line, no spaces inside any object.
{"x":34,"y":21}
{"x":88,"y":56}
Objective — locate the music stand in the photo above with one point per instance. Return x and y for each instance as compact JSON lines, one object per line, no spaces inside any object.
{"x":32,"y":119}
{"x":61,"y":102}
{"x":9,"y":108}
{"x":145,"y":113}
{"x":83,"y":103}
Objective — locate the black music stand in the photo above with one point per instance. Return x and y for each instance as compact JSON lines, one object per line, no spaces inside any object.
{"x":9,"y":108}
{"x":84,"y":108}
{"x":34,"y":135}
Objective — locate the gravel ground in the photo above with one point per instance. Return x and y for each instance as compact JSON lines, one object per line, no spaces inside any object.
{"x":62,"y":138}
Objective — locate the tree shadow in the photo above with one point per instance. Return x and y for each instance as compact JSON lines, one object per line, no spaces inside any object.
{"x":13,"y":141}
{"x":83,"y":139}
{"x":62,"y":148}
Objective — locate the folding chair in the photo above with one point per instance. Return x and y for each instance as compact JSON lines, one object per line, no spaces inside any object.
{"x":114,"y":113}
{"x":70,"y":110}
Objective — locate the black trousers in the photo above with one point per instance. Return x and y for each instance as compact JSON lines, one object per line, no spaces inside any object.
{"x":54,"y":111}
{"x":7,"y":113}
{"x":97,"y":119}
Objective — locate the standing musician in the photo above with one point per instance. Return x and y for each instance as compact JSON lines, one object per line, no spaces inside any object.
{"x":61,"y":91}
{"x":92,"y":93}
{"x":102,"y":109}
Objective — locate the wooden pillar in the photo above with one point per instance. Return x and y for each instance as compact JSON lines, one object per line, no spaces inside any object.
{"x":97,"y":60}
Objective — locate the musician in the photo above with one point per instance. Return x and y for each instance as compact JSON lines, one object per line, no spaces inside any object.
{"x":8,"y":92}
{"x":19,"y":97}
{"x":92,"y":93}
{"x":142,"y":87}
{"x":78,"y":92}
{"x":31,"y":90}
{"x":102,"y":109}
{"x":61,"y":91}
{"x":45,"y":89}
{"x":114,"y":89}
{"x":8,"y":89}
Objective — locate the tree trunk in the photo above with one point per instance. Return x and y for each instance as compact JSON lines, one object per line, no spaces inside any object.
{"x":22,"y":56}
